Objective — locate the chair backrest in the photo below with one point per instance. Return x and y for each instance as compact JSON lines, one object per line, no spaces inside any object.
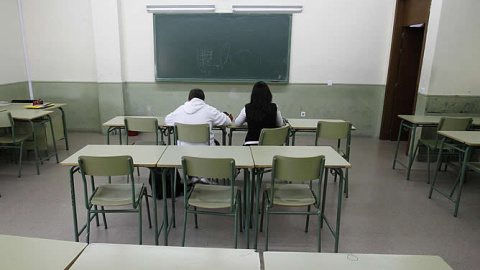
{"x":274,"y":136}
{"x":210,"y":168}
{"x":338,"y":131}
{"x":455,"y":123}
{"x":192,"y":133}
{"x":297,"y":169}
{"x":6,"y":121}
{"x":333,"y":130}
{"x":142,"y":124}
{"x":106,"y":166}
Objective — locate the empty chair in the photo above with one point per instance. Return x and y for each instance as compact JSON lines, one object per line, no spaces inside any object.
{"x":339,"y":131}
{"x":142,"y":124}
{"x":297,"y":194}
{"x":274,"y":136}
{"x":212,"y":198}
{"x":445,"y":124}
{"x":9,"y":139}
{"x":112,"y":195}
{"x":186,"y":134}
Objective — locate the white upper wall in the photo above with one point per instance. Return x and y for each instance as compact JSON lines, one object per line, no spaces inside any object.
{"x":456,"y":63}
{"x":12,"y":61}
{"x":341,"y":40}
{"x":60,"y":40}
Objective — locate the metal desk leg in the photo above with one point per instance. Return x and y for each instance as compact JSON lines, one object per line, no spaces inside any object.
{"x":64,"y":121}
{"x":74,"y":169}
{"x":257,"y":202}
{"x":398,"y":144}
{"x":224,"y":136}
{"x":53,"y":138}
{"x":466,"y":157}
{"x":247,"y":207}
{"x":410,"y":153}
{"x":37,"y":156}
{"x":339,"y":209}
{"x":165,"y":207}
{"x":293,"y":136}
{"x":437,"y":168}
{"x":230,"y":137}
{"x":155,"y":216}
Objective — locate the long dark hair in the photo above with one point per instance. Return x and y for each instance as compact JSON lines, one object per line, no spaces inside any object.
{"x":260,"y":100}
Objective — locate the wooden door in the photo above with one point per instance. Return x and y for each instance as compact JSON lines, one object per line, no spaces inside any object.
{"x":407,"y":76}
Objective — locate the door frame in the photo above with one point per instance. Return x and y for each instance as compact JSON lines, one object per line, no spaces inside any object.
{"x":407,"y":12}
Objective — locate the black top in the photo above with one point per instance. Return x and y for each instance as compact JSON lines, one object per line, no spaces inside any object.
{"x":257,"y":120}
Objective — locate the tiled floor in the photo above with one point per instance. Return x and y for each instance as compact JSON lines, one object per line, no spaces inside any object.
{"x":384,"y":214}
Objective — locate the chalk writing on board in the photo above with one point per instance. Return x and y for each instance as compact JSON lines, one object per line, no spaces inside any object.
{"x":208,"y":62}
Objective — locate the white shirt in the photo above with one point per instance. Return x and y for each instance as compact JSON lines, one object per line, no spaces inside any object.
{"x":195,"y":112}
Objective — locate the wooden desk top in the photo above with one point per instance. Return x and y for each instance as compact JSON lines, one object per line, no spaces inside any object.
{"x":338,"y":261}
{"x":32,"y":253}
{"x":172,"y":157}
{"x":143,"y":155}
{"x":471,"y":138}
{"x":263,"y":155}
{"x":115,"y":257}
{"x":119,"y":121}
{"x":432,"y":119}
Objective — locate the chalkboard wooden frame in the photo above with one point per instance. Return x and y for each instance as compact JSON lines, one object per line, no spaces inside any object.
{"x":282,"y":63}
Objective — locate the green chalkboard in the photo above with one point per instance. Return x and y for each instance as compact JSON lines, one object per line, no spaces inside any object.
{"x":222,"y":47}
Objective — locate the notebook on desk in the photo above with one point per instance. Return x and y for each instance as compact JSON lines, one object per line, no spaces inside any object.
{"x":41,"y":106}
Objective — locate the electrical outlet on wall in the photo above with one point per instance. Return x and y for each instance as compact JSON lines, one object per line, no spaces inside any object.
{"x":303,"y":114}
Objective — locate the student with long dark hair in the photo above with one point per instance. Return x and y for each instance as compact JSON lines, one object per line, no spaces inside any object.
{"x":259,"y":113}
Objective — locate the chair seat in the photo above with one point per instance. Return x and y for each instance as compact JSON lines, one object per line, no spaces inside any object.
{"x":116,"y":194}
{"x":292,"y":195}
{"x":432,"y":144}
{"x":18,"y":138}
{"x":211,"y":196}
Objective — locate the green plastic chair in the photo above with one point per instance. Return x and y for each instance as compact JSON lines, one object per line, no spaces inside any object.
{"x":274,"y":136}
{"x":112,"y":195}
{"x":11,"y":140}
{"x":192,"y":133}
{"x":142,"y":124}
{"x":340,"y":131}
{"x":445,"y":124}
{"x":211,"y":197}
{"x":297,"y":194}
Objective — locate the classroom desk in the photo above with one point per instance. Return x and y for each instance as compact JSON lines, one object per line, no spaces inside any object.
{"x":468,"y":140}
{"x":296,"y":125}
{"x":143,"y":156}
{"x":33,"y":253}
{"x":412,"y":122}
{"x":59,"y":106}
{"x":308,"y":125}
{"x":32,"y":116}
{"x":118,"y":123}
{"x":315,"y":261}
{"x":172,"y":158}
{"x":263,"y":156}
{"x":116,"y":257}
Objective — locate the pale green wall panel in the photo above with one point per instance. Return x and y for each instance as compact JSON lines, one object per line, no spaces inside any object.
{"x":82,"y":112}
{"x":361,"y":104}
{"x":14,"y":91}
{"x":110,"y":100}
